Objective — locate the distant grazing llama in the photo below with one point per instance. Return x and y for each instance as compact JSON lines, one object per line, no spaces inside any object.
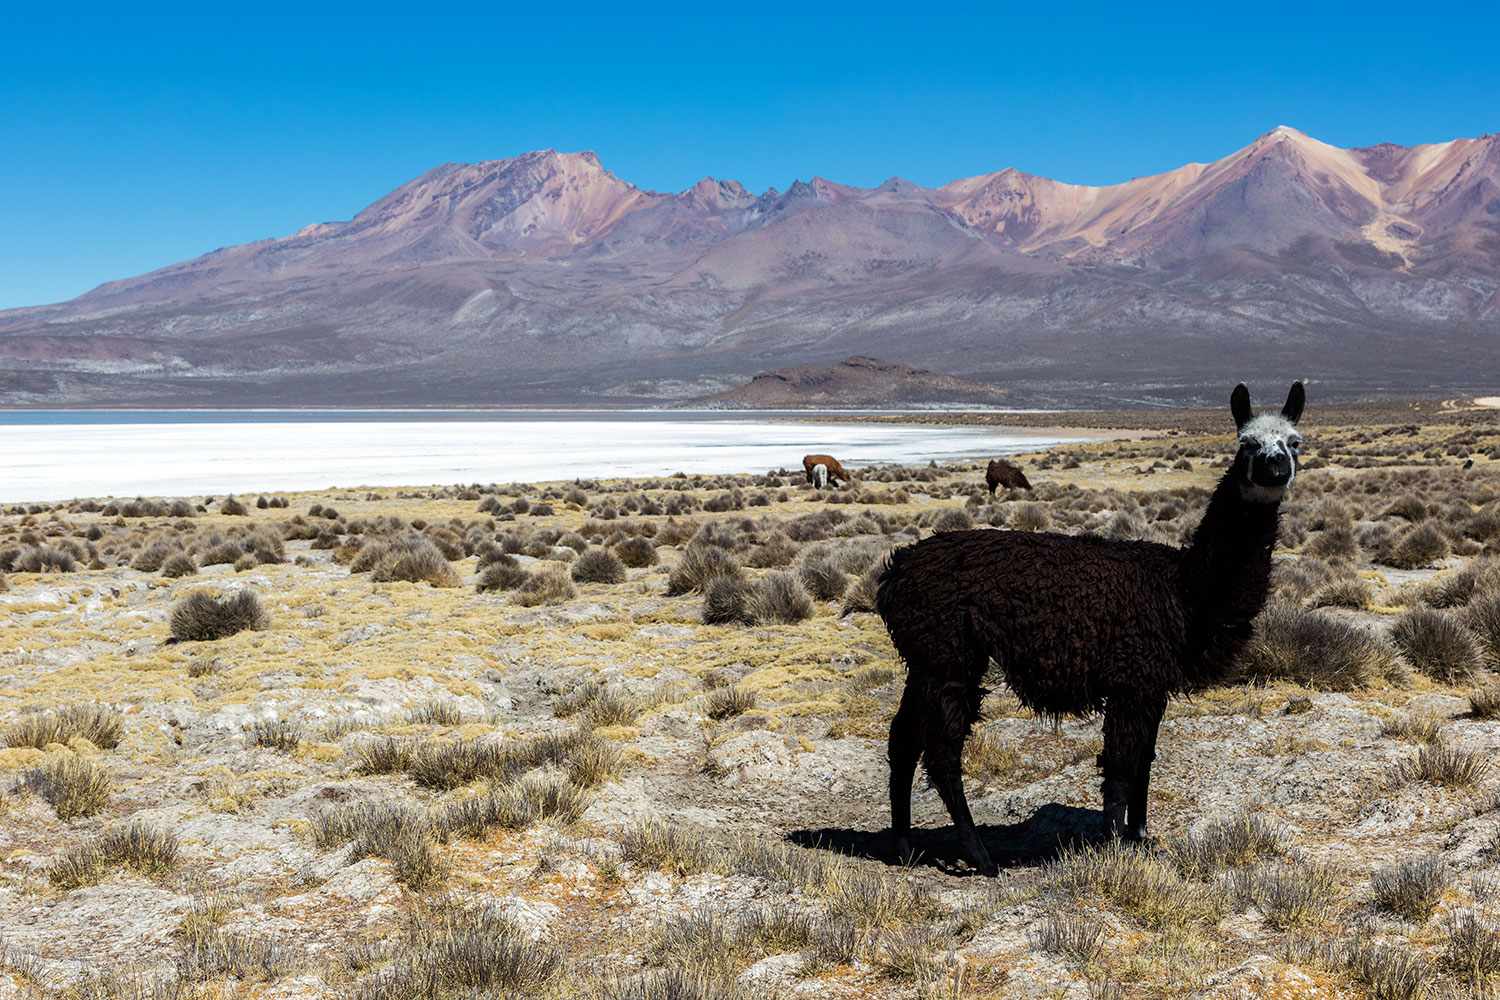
{"x":1080,"y":624}
{"x":835,"y":470}
{"x":819,"y":476}
{"x":1007,"y":474}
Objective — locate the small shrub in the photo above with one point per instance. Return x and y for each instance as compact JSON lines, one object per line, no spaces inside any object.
{"x":699,"y":565}
{"x":1451,"y":767}
{"x":1414,"y":727}
{"x":598,"y":565}
{"x":861,"y":595}
{"x":201,"y":617}
{"x":276,"y":734}
{"x":146,"y":849}
{"x":729,"y":701}
{"x":1437,"y":645}
{"x":475,"y":952}
{"x":1030,"y":516}
{"x":1314,"y":650}
{"x":593,"y":762}
{"x":1412,"y":889}
{"x":1387,"y":971}
{"x":41,"y":559}
{"x":231,"y":506}
{"x":394,"y":831}
{"x":547,"y":587}
{"x":178,"y":565}
{"x":637,"y":552}
{"x":1482,"y":616}
{"x":780,"y":598}
{"x":217,"y":953}
{"x":436,"y":713}
{"x":73,"y":786}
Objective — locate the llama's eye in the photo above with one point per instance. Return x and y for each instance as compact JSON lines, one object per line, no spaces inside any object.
{"x":1294,"y":443}
{"x":1250,"y":444}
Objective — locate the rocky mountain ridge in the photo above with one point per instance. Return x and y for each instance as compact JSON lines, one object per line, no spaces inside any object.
{"x":545,"y":278}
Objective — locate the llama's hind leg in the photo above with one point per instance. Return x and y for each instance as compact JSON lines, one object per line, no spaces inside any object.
{"x":959,"y":705}
{"x":904,"y":748}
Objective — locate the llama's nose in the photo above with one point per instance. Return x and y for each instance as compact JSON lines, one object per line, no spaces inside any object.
{"x":1277,"y":468}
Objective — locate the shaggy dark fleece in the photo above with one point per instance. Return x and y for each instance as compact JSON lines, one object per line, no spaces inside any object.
{"x":1007,"y":474}
{"x":1080,"y":624}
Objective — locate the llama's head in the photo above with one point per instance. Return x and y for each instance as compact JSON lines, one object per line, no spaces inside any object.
{"x":1267,"y":459}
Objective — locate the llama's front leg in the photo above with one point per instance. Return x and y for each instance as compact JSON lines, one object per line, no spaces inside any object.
{"x":904,"y":748}
{"x":1125,"y":741}
{"x":1142,"y":782}
{"x":944,"y":760}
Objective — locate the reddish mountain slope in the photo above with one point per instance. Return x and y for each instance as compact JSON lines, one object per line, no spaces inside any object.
{"x":545,"y":278}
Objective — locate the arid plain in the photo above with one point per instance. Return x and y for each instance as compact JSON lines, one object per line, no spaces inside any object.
{"x":627,"y":739}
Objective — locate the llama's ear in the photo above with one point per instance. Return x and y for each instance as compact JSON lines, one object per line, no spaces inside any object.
{"x":1294,"y":400}
{"x":1239,"y":405}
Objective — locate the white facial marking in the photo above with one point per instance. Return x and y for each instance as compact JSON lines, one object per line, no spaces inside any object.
{"x":1269,"y":436}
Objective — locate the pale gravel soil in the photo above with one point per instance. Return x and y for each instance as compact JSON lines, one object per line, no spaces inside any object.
{"x":341,"y":648}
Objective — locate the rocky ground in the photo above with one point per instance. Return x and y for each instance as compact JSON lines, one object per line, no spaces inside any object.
{"x":430,"y":762}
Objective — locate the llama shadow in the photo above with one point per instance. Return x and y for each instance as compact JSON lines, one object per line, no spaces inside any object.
{"x":1029,"y":843}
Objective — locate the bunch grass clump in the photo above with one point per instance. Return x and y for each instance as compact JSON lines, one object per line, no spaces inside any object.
{"x":701,"y":563}
{"x":598,"y":565}
{"x":1145,"y":886}
{"x":1438,"y":645}
{"x":1290,"y":894}
{"x":1316,"y":651}
{"x":1445,"y":765}
{"x":412,"y":559}
{"x":101,"y":725}
{"x":73,"y":786}
{"x":276,"y":734}
{"x":1413,"y":889}
{"x":400,"y":833}
{"x":202,"y":617}
{"x":152,"y":852}
{"x":449,"y":952}
{"x":1226,"y":843}
{"x":551,"y":586}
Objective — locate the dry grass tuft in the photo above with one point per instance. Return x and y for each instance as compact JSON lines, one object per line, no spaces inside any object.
{"x":729,"y":701}
{"x":146,"y":849}
{"x":1146,"y":887}
{"x":1438,"y":645}
{"x":1414,"y":727}
{"x":74,"y":786}
{"x":400,"y":833}
{"x":1226,"y":843}
{"x":202,"y":617}
{"x":1412,"y":889}
{"x":101,"y":725}
{"x":277,"y":734}
{"x":1314,"y":650}
{"x":1451,"y":767}
{"x":449,"y":952}
{"x":551,"y":586}
{"x":1290,"y":894}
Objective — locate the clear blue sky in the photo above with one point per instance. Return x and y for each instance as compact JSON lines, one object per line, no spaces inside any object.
{"x":134,"y":136}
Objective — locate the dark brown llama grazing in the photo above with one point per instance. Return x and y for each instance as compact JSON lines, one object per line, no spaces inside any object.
{"x":836,"y":471}
{"x":1078,"y":624}
{"x":1007,"y":474}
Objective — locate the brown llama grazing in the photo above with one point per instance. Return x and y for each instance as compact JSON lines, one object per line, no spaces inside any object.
{"x":1007,"y":474}
{"x":1078,"y":624}
{"x":836,"y":471}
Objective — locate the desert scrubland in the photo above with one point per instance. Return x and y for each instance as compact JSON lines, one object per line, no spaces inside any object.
{"x":627,"y":739}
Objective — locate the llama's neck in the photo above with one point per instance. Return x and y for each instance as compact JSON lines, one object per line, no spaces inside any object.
{"x":1225,"y":572}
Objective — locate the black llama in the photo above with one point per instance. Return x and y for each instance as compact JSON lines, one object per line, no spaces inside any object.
{"x":1078,"y":624}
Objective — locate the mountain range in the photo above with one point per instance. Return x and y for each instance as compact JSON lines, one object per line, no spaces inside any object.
{"x":545,"y":279}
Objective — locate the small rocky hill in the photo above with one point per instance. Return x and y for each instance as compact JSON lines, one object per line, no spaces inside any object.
{"x":855,"y":382}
